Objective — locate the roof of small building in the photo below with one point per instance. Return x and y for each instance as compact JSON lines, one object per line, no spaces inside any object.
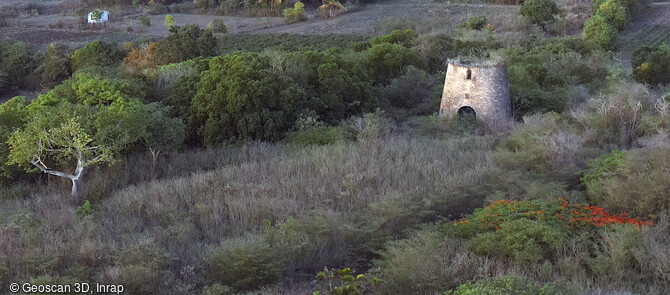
{"x":476,"y":62}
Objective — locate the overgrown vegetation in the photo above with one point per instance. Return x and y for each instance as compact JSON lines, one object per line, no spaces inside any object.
{"x":287,"y":164}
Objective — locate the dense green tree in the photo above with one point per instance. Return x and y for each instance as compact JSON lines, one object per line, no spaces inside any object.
{"x":90,"y":89}
{"x":387,"y":60}
{"x":96,"y":53}
{"x":58,"y":137}
{"x":599,"y":31}
{"x":241,"y":97}
{"x":163,"y":134}
{"x":88,"y":121}
{"x":17,"y":61}
{"x":540,"y":12}
{"x":652,"y":64}
{"x":184,"y":43}
{"x":13,"y":115}
{"x":614,"y":12}
{"x":56,"y":66}
{"x":337,"y":83}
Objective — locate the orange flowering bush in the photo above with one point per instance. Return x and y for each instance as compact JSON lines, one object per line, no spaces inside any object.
{"x":530,"y":231}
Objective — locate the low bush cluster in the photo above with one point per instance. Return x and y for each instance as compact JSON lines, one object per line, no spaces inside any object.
{"x":532,"y":231}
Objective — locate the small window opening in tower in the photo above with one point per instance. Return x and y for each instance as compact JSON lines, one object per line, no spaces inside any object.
{"x":467,"y":96}
{"x":469,"y":74}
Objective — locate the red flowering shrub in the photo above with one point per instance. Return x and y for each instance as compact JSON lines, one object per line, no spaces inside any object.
{"x":531,"y":231}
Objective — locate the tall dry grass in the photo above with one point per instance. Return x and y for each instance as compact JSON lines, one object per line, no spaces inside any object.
{"x":169,"y":225}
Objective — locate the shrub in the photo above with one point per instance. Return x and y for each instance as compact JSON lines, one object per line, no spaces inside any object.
{"x":216,"y":289}
{"x":317,"y":135}
{"x":242,"y":98}
{"x":406,"y":38}
{"x":651,"y":63}
{"x":532,"y":231}
{"x":141,"y":59}
{"x":245,"y":264}
{"x":295,"y":14}
{"x":169,"y":21}
{"x":599,"y":32}
{"x":344,"y":281}
{"x":56,"y":67}
{"x":144,"y":20}
{"x":144,"y":268}
{"x":17,"y":61}
{"x":416,"y":92}
{"x":185,"y":43}
{"x":473,"y":23}
{"x":540,"y":12}
{"x":217,"y":26}
{"x":386,"y":60}
{"x":512,"y":285}
{"x":96,"y":53}
{"x":614,"y":12}
{"x":632,"y":181}
{"x":615,"y":120}
{"x":427,"y":263}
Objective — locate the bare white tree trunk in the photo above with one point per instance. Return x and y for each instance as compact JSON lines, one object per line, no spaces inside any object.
{"x":76,"y":178}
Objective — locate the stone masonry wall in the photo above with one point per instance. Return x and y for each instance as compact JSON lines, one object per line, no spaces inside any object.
{"x":487,"y":92}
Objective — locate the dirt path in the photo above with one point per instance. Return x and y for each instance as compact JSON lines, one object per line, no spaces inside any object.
{"x":423,"y":16}
{"x":367,"y":19}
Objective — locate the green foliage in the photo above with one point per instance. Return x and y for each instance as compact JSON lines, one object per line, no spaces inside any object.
{"x":96,"y":15}
{"x":602,"y":167}
{"x":56,"y":66}
{"x":317,"y":135}
{"x":288,"y":42}
{"x":169,"y":21}
{"x":416,"y":92}
{"x":525,"y":232}
{"x":184,"y":43}
{"x":505,"y":285}
{"x":405,"y":38}
{"x":64,"y":133}
{"x":632,"y":181}
{"x":341,"y":85}
{"x":144,"y":268}
{"x":17,"y":62}
{"x":614,"y":12}
{"x":93,"y":90}
{"x":345,"y":282}
{"x":217,"y":289}
{"x":240,"y":97}
{"x":217,"y":26}
{"x":295,"y":14}
{"x":540,"y":12}
{"x":162,"y":134}
{"x":96,"y":53}
{"x":600,"y":32}
{"x":13,"y":116}
{"x":386,"y":60}
{"x":473,"y":23}
{"x":144,"y":20}
{"x":84,"y":210}
{"x":651,"y":63}
{"x":245,"y":265}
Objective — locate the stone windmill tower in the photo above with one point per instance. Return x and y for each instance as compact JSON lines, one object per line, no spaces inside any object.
{"x":478,"y":89}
